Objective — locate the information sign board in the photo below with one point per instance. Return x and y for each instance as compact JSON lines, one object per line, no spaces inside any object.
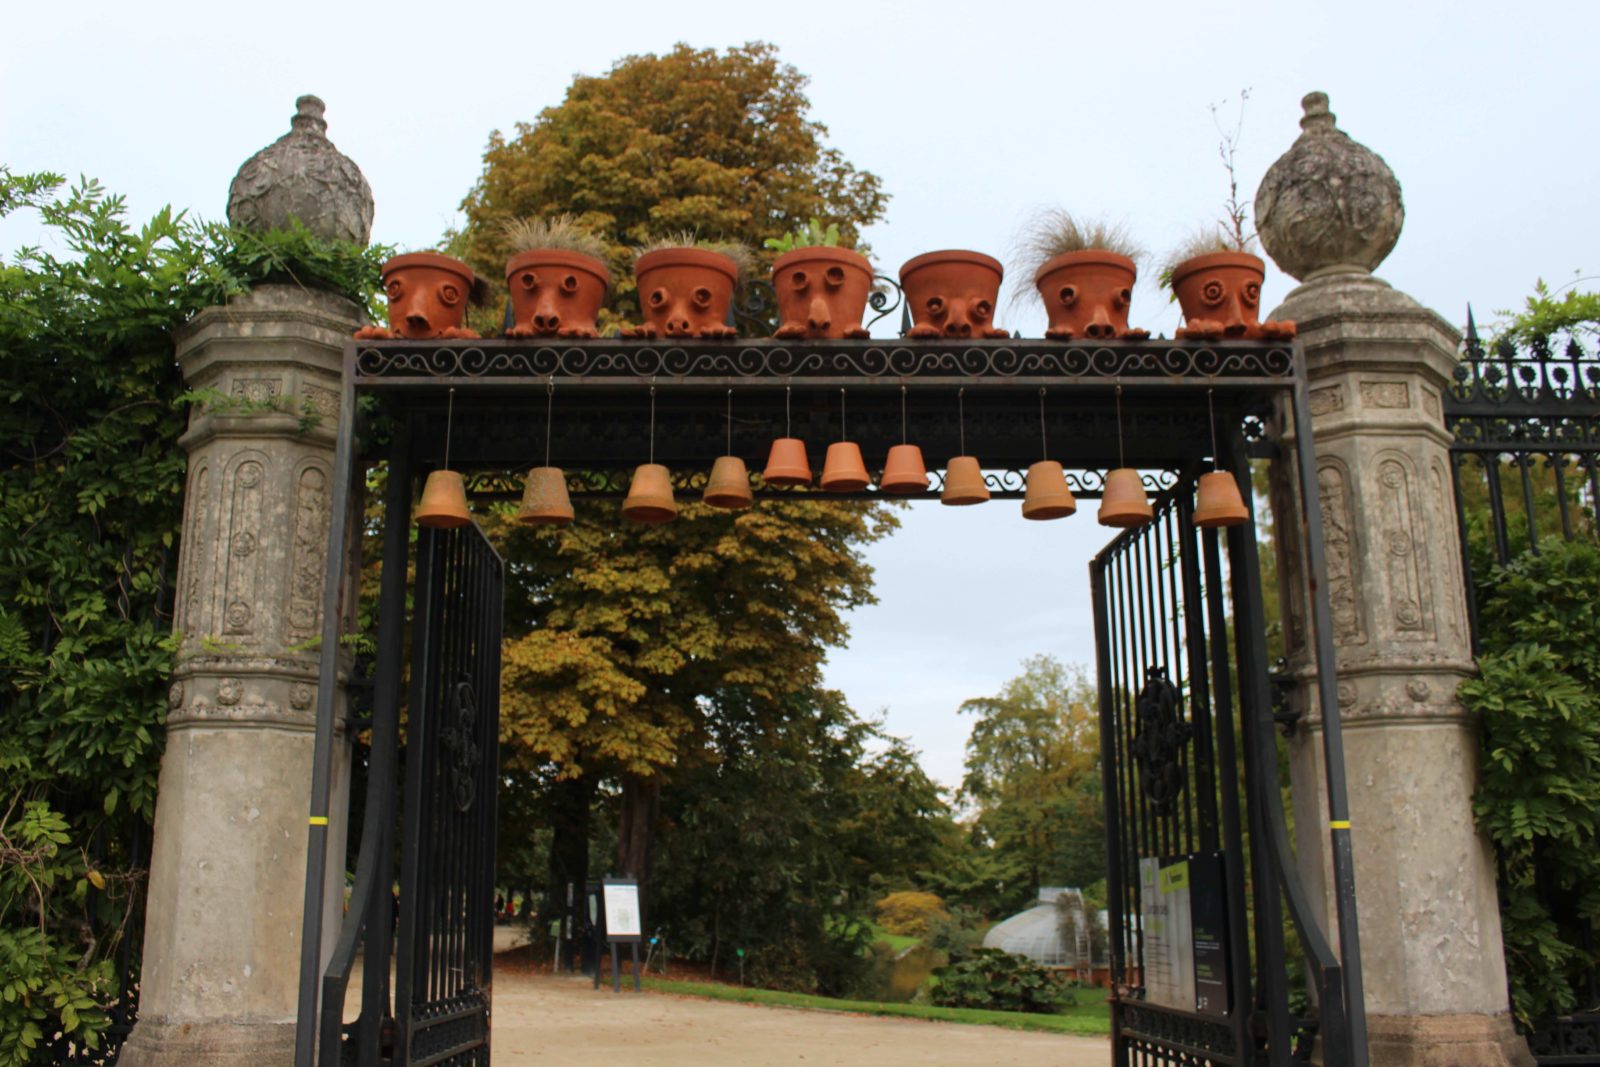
{"x":621,"y":902}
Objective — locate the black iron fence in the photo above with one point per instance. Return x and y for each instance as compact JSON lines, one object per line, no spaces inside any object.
{"x":1526,"y":467}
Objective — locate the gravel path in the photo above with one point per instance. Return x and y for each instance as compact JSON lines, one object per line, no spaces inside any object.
{"x":543,"y":1020}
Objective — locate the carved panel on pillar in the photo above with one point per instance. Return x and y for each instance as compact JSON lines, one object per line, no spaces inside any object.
{"x":189,"y":573}
{"x":1344,"y":580}
{"x":1405,"y":552}
{"x":246,"y":493}
{"x":310,"y":551}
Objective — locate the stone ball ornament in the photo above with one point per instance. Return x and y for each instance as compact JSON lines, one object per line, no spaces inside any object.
{"x":1328,"y":203}
{"x":302,"y":175}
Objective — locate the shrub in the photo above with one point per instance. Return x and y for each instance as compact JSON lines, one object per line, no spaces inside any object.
{"x":999,"y":981}
{"x":908,"y":912}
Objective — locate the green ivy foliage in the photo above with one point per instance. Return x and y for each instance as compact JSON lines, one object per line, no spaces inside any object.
{"x":90,"y":497}
{"x":998,"y":981}
{"x":1538,"y":701}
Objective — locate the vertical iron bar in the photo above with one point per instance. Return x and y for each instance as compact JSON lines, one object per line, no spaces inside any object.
{"x":1558,"y":463}
{"x":1523,"y":460}
{"x":327,"y":700}
{"x":1172,"y":567}
{"x":1199,"y":689}
{"x":1456,"y":459}
{"x":1332,"y":728}
{"x":1110,"y":798}
{"x":1497,"y":507}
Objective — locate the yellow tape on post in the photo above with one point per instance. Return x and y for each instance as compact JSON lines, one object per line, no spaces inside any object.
{"x":1334,"y":824}
{"x":319,"y":820}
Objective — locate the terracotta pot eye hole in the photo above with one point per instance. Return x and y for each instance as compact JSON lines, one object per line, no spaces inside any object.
{"x":834,"y":277}
{"x":394,"y":289}
{"x":529,"y":280}
{"x":1069,"y":295}
{"x":799,"y":280}
{"x":1252,"y":293}
{"x":569,"y":284}
{"x":982,"y":309}
{"x":449,"y":295}
{"x":658,"y":298}
{"x":936,"y":305}
{"x":1124,"y":298}
{"x":1213,"y":293}
{"x":702,"y":297}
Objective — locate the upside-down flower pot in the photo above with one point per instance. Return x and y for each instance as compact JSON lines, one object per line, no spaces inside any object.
{"x":444,"y":501}
{"x":555,"y":293}
{"x":1124,"y":502}
{"x":544,"y":499}
{"x":650,"y":495}
{"x":1218,"y":501}
{"x":1048,"y":496}
{"x":787,"y":463}
{"x":1220,"y":294}
{"x":963,"y":483}
{"x":729,"y":484}
{"x":684,"y":293}
{"x":844,"y":471}
{"x":1086,"y":294}
{"x":904,"y":472}
{"x":822,"y":292}
{"x":428,"y":296}
{"x":952,"y":294}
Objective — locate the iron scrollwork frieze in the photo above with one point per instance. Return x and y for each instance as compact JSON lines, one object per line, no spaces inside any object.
{"x":459,"y":738}
{"x":766,"y":359}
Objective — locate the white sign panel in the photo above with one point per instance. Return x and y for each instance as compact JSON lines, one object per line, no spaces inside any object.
{"x":622,"y":909}
{"x":1168,"y":936}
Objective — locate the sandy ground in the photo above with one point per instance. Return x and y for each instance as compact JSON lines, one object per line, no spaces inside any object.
{"x":546,"y":1020}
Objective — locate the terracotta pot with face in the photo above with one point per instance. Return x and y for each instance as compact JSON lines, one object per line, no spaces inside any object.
{"x":685,"y":292}
{"x":1220,"y":294}
{"x":822,"y":292}
{"x":1087,"y":294}
{"x":428,"y":295}
{"x":952,"y":294}
{"x":555,"y":293}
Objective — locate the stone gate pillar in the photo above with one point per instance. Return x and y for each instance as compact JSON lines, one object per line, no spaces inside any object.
{"x":1329,"y":211}
{"x":223,"y":918}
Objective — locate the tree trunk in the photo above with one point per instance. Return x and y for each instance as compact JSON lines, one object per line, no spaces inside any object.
{"x":570,"y":805}
{"x":641,"y":807}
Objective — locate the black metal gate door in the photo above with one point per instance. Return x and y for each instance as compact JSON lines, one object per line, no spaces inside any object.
{"x":446,"y":920}
{"x":1199,"y":864}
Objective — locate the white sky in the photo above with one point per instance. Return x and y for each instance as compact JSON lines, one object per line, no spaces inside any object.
{"x":973,"y":114}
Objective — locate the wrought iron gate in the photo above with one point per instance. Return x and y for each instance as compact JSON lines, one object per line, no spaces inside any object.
{"x":1197,"y":845}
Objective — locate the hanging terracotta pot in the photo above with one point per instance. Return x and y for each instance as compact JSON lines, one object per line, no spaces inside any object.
{"x":1218,"y":501}
{"x":1048,"y":496}
{"x":555,"y":293}
{"x":684,"y":292}
{"x":904,"y":472}
{"x":444,"y":501}
{"x":650,"y":495}
{"x":787,"y":463}
{"x":1087,"y":294}
{"x":952,"y":294}
{"x":729,"y":484}
{"x":844,"y":471}
{"x":963,"y":483}
{"x":544,"y":499}
{"x":822,"y":292}
{"x":428,"y":296}
{"x":1220,"y":294}
{"x":1124,"y":502}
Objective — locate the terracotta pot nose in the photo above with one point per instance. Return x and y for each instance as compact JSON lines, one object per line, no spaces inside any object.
{"x":418,"y":323}
{"x":678,"y":327}
{"x":819,"y":318}
{"x":1100,"y":325}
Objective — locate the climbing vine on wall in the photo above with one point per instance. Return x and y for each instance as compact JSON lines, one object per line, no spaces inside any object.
{"x":91,"y":481}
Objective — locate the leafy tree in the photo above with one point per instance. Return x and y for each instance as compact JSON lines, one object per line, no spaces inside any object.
{"x":621,"y":633}
{"x":721,"y":144}
{"x":90,"y":494}
{"x":1032,"y":771}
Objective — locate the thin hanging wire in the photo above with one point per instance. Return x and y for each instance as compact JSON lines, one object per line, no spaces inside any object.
{"x":1044,"y":438}
{"x":961,"y":416}
{"x":549,"y":409}
{"x":1211,"y":407}
{"x":788,"y":430}
{"x":652,"y":424}
{"x":844,"y":435}
{"x":902,"y":414}
{"x":1121,"y":460}
{"x":449,"y":418}
{"x":730,"y":423}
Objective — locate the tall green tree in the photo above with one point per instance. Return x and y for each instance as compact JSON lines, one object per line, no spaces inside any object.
{"x":718,"y":143}
{"x":1032,"y":772}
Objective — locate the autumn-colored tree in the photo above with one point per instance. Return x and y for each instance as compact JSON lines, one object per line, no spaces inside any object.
{"x":1032,"y":771}
{"x":621,"y":632}
{"x":717,"y":143}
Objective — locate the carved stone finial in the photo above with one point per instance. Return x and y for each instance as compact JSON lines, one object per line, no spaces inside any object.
{"x":1328,"y":203}
{"x":302,"y":175}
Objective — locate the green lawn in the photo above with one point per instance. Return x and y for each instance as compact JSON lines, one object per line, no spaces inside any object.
{"x":1089,"y":1016}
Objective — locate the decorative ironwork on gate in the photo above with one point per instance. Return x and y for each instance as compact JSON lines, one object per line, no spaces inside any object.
{"x":1525,"y":461}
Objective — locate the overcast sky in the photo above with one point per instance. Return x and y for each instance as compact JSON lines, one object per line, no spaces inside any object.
{"x":974,"y":114}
